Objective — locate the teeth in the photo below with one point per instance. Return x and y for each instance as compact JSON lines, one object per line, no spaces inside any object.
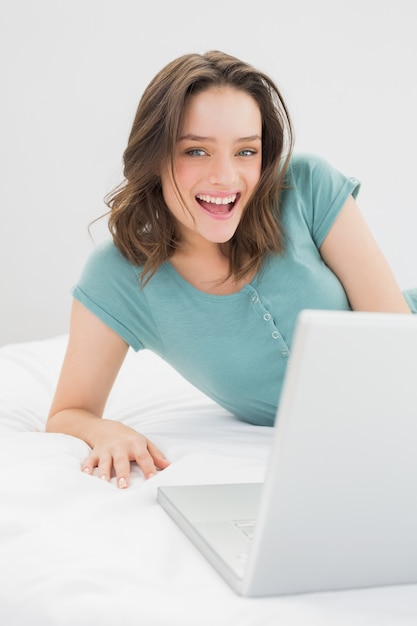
{"x":217,"y":200}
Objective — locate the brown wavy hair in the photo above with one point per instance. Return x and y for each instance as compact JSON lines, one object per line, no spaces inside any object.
{"x":142,"y":227}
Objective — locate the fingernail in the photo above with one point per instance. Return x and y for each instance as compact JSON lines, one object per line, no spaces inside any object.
{"x":122,"y":482}
{"x":86,"y":470}
{"x":151,"y":475}
{"x":103,"y":476}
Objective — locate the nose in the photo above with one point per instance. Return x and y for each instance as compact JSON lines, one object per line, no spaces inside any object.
{"x":223,"y":171}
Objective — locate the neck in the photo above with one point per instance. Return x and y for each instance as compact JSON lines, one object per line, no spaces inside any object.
{"x":206,"y":269}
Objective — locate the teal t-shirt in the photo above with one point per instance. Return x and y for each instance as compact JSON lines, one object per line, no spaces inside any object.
{"x":234,"y":348}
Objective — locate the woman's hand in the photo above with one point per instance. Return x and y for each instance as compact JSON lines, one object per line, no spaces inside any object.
{"x":115,"y":446}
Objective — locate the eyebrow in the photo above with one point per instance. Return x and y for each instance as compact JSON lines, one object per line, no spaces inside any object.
{"x":191,"y":137}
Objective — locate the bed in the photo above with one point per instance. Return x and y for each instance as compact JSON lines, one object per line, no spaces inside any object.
{"x":75,"y":550}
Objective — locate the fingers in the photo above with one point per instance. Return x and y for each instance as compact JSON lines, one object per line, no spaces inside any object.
{"x":103,"y":465}
{"x":89,"y":464}
{"x":159,"y":459}
{"x":147,"y":456}
{"x":122,"y":470}
{"x":151,"y":460}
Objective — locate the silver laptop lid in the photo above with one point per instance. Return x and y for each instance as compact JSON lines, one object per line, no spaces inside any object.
{"x":339,"y":505}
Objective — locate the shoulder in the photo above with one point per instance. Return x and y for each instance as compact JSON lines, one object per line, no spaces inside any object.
{"x":108,"y":271}
{"x":107,"y":252}
{"x":314,"y":192}
{"x":308,"y":165}
{"x":313,"y":177}
{"x":106,"y":257}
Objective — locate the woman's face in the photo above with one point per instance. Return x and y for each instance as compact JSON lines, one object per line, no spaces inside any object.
{"x":217,"y":165}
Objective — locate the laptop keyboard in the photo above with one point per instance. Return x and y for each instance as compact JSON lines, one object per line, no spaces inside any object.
{"x":246,"y":526}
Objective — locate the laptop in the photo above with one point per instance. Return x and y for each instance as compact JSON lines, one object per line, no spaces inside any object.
{"x":338,"y":507}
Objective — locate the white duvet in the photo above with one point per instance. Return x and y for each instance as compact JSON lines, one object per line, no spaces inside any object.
{"x":77,"y":551}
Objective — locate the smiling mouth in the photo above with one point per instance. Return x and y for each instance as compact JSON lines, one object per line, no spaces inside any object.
{"x":217,"y":205}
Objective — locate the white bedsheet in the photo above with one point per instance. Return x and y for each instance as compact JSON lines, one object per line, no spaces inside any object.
{"x":76,"y":551}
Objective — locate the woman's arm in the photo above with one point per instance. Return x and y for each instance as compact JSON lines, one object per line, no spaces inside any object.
{"x":353,"y":255}
{"x":94,"y":356}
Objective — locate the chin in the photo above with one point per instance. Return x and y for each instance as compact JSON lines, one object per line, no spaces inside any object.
{"x":221,"y":240}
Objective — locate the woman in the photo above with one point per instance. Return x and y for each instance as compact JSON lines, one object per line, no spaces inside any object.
{"x":220,"y":238}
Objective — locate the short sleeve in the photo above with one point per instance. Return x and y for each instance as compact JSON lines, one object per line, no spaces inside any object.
{"x":411,"y":296}
{"x":109,"y":286}
{"x":322,"y":190}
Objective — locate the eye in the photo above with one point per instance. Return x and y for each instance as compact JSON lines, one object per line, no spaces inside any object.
{"x":247,"y":152}
{"x":195,"y":152}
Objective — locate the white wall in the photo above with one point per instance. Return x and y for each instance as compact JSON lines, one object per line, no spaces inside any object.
{"x":71,"y":76}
